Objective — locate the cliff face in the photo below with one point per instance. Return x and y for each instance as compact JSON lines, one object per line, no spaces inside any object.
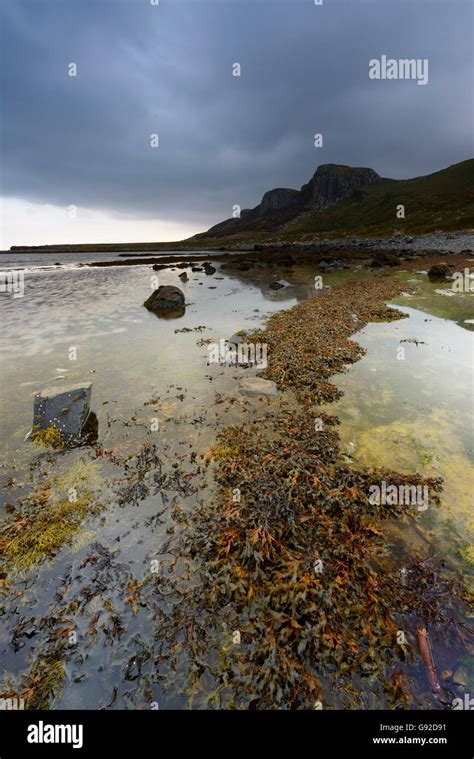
{"x":279,"y":200}
{"x":331,"y":183}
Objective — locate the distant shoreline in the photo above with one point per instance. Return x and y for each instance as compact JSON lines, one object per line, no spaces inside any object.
{"x":450,"y":241}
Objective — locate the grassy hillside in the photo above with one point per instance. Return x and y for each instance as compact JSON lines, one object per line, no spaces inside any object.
{"x":441,"y":201}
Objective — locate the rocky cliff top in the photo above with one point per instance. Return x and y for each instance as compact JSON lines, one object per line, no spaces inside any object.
{"x":332,"y":182}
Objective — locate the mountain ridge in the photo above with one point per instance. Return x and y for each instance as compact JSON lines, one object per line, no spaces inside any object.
{"x":439,"y":202}
{"x":341,"y":199}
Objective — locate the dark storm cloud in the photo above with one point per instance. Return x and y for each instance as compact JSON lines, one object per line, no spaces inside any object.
{"x":223,"y":139}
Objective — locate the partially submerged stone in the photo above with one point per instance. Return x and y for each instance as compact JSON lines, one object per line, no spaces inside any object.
{"x":236,"y":339}
{"x":166,"y":297}
{"x":255,"y":386}
{"x":65,"y":407}
{"x":461,"y":677}
{"x":384,"y":259}
{"x":438,"y":271}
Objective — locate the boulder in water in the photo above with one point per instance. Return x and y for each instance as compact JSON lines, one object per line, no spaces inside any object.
{"x":65,"y":407}
{"x":236,"y":339}
{"x":438,"y":271}
{"x":255,"y":386}
{"x":166,"y":297}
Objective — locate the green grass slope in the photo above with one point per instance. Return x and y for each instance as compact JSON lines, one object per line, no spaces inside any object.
{"x":440,"y":201}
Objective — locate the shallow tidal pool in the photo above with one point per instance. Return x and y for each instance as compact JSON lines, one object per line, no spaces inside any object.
{"x":159,"y":405}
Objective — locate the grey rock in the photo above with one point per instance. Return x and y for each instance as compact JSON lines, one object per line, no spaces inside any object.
{"x":461,"y":677}
{"x":276,"y":285}
{"x":255,"y":386}
{"x":67,"y":407}
{"x":438,"y":271}
{"x":385,"y":259}
{"x":167,"y":296}
{"x":236,"y":339}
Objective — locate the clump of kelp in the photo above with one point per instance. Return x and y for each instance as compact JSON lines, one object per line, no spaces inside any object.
{"x":50,"y":437}
{"x":43,"y":684}
{"x":49,"y":516}
{"x":297,"y":600}
{"x":310,"y":342}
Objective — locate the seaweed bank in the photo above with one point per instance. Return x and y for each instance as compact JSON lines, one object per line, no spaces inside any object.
{"x":294,"y":597}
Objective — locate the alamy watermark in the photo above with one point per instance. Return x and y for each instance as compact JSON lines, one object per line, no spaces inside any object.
{"x":399,"y":495}
{"x":13,"y":703}
{"x":248,"y":354}
{"x":46,"y":733}
{"x":466,"y":703}
{"x":12,"y":282}
{"x":463,"y":282}
{"x":402,"y":68}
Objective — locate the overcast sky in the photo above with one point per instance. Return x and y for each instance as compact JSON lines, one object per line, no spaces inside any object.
{"x":167,"y":69}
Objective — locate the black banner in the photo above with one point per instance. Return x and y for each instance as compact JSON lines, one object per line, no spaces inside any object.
{"x":126,"y":733}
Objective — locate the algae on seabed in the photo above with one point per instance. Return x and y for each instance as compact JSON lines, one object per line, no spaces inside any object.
{"x":49,"y":516}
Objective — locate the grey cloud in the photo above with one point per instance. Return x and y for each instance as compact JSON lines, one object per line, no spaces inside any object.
{"x":223,"y":139}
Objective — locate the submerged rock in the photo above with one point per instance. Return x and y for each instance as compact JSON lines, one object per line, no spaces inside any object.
{"x":438,"y":271}
{"x":237,"y":265}
{"x":166,"y":297}
{"x":170,"y":313}
{"x":257,"y":386}
{"x":236,"y":339}
{"x":66,"y":407}
{"x":276,"y":285}
{"x":385,"y":259}
{"x":461,"y":677}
